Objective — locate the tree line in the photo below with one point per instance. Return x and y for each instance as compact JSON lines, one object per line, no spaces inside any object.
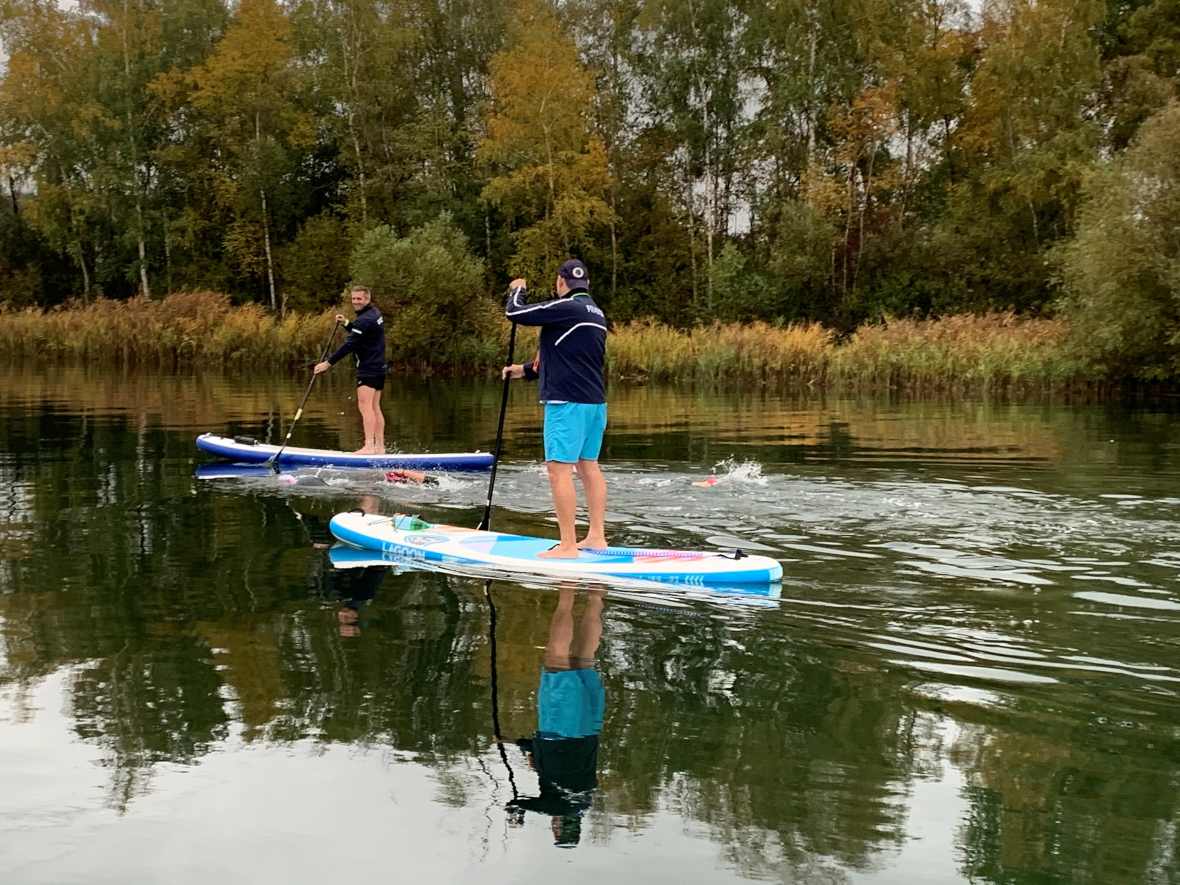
{"x":778,"y":160}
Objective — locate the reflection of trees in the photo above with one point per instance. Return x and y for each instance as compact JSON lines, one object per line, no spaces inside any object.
{"x":705,"y":424}
{"x":764,"y":737}
{"x":186,"y":618}
{"x":1068,"y":806}
{"x":734,"y":730}
{"x":152,"y":702}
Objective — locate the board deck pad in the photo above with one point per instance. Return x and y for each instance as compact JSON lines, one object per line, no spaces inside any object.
{"x":410,"y":538}
{"x":293,"y":456}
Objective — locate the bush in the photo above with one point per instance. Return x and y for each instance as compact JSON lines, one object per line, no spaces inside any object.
{"x":315,"y":265}
{"x":739,"y":294}
{"x":430,"y":288}
{"x":1121,"y":271}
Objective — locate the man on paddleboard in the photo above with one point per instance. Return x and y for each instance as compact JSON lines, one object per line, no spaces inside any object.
{"x":573,"y":390}
{"x":366,"y":342}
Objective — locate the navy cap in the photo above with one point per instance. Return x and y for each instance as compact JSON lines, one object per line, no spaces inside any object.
{"x":575,"y":274}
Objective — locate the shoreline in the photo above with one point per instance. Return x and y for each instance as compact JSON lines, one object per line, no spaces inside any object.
{"x":992,"y":355}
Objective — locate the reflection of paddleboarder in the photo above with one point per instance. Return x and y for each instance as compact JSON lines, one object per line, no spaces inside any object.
{"x":356,"y":588}
{"x":353,"y":587}
{"x":570,"y":705}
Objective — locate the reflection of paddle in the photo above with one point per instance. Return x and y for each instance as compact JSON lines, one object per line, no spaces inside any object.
{"x":273,"y":461}
{"x":496,"y":733}
{"x":485,"y":524}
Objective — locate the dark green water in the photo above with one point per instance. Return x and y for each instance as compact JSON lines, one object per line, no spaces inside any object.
{"x":972,"y":671}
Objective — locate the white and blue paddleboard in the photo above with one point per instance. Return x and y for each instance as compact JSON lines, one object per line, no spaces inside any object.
{"x":413,"y":539}
{"x":249,"y":451}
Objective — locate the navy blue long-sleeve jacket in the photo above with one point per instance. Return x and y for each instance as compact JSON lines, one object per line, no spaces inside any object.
{"x":573,"y":345}
{"x":365,"y":339}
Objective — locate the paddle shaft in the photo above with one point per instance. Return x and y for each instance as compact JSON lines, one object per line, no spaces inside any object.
{"x":274,"y":459}
{"x":485,"y":524}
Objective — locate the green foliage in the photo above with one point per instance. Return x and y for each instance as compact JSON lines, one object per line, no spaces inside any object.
{"x":430,"y":288}
{"x":548,"y":169}
{"x":315,"y":264}
{"x":1122,"y":272}
{"x":775,"y":160}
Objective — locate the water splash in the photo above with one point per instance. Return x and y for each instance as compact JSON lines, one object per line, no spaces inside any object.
{"x":731,"y":470}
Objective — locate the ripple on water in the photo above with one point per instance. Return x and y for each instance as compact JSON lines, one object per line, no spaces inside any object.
{"x":958,"y":694}
{"x":989,"y":674}
{"x":1124,"y":600}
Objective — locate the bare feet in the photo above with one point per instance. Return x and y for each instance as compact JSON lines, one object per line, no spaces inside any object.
{"x":560,"y":551}
{"x":589,"y":543}
{"x":370,"y":450}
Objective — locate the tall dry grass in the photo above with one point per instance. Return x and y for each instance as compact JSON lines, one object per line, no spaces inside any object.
{"x":985,"y":353}
{"x":188,"y":328}
{"x":755,"y":353}
{"x":998,"y":352}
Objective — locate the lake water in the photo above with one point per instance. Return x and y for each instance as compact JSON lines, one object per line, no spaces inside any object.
{"x":971,"y":670}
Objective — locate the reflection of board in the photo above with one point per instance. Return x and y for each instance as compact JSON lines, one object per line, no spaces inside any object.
{"x":226,"y":470}
{"x":345,"y":557}
{"x":409,"y":538}
{"x":250,"y":451}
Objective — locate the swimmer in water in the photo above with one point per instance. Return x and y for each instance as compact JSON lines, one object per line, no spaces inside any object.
{"x":406,"y":476}
{"x":707,"y":483}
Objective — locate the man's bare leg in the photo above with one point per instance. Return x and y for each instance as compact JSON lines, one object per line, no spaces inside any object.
{"x":595,"y":485}
{"x":368,"y":402}
{"x":565,"y":503}
{"x":588,"y":631}
{"x":362,"y":406}
{"x":561,"y":632}
{"x":378,"y":442}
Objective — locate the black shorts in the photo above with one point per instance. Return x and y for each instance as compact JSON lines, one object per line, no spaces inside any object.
{"x":377,"y":382}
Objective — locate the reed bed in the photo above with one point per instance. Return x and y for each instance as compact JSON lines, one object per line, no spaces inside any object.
{"x":998,"y":352}
{"x":756,"y":353}
{"x":188,"y":328}
{"x":983,"y":353}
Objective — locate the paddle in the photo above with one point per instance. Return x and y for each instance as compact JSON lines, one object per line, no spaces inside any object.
{"x":485,"y":524}
{"x":273,"y":460}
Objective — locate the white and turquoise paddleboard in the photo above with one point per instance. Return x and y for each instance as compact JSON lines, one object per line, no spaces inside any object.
{"x":245,"y":450}
{"x":344,"y":557}
{"x":410,"y":538}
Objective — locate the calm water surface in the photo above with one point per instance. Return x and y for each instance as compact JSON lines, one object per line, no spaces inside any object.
{"x":971,"y":671}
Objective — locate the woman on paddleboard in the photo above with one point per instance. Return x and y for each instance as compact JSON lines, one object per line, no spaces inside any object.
{"x":573,"y":390}
{"x":366,"y":342}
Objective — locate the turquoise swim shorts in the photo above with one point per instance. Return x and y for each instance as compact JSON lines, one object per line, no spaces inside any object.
{"x":570,"y":703}
{"x":573,"y":431}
